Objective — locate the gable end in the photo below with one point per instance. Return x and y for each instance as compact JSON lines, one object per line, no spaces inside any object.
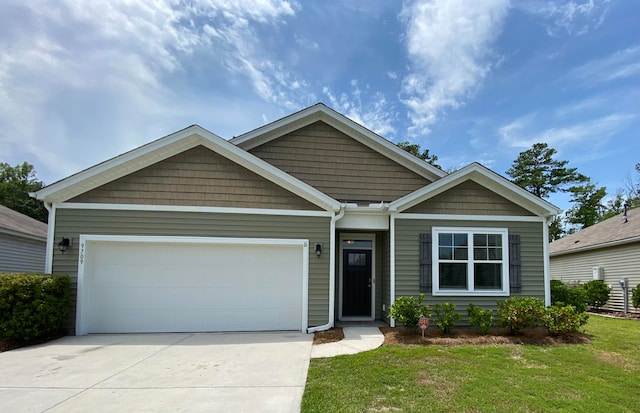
{"x":469,"y":198}
{"x":338,"y":165}
{"x":196,"y":177}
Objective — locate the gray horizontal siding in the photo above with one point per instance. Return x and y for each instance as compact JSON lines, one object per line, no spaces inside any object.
{"x":408,"y":269}
{"x":73,"y":222}
{"x":618,"y":262}
{"x":21,"y":254}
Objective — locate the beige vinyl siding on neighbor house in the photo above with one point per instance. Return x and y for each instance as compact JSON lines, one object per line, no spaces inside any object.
{"x":469,"y":198}
{"x":73,"y":222}
{"x":18,"y":254}
{"x":408,"y":268}
{"x":618,"y":262}
{"x":338,"y":165}
{"x":196,"y":177}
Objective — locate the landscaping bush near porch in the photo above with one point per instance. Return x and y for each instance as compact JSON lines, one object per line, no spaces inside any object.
{"x":32,"y":306}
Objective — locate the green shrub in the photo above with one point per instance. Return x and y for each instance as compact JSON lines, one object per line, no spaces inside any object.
{"x":635,"y":297}
{"x":519,"y":313}
{"x":32,"y":306}
{"x":407,"y":310}
{"x":596,"y":293}
{"x":446,"y":316}
{"x":562,"y":293}
{"x":480,"y":319}
{"x":564,"y":319}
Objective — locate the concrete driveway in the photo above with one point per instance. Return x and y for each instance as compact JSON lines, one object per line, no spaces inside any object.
{"x":204,"y":372}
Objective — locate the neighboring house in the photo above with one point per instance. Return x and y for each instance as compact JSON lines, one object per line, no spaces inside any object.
{"x":294,"y":225}
{"x":22,"y":242}
{"x":608,"y":250}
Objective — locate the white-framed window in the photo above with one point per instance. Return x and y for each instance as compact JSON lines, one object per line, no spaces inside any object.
{"x":470,"y":261}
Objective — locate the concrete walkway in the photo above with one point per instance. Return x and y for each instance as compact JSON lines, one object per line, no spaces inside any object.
{"x":356,"y":340}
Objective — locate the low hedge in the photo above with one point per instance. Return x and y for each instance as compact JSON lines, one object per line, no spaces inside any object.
{"x":32,"y":306}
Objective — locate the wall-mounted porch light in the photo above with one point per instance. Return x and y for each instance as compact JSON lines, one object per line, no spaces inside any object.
{"x":64,"y":244}
{"x":318,"y":249}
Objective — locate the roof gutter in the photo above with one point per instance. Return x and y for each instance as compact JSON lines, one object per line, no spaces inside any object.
{"x":332,"y":273}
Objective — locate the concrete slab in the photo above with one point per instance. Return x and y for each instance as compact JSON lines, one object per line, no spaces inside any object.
{"x":356,"y":340}
{"x":158,"y":372}
{"x":193,"y":400}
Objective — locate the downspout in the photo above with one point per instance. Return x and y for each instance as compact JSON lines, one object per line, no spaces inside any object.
{"x":51,"y":227}
{"x":392,"y":264}
{"x":332,"y":272}
{"x":545,"y":249}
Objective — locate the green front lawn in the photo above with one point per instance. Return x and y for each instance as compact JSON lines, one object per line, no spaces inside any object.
{"x":603,"y":376}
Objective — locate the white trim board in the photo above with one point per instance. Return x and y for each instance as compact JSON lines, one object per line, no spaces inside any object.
{"x":87,"y":239}
{"x":442,"y":217}
{"x":187,"y":208}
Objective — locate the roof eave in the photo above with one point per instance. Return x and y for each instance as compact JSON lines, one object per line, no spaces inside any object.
{"x":321,"y":112}
{"x":485,"y":177}
{"x":168,"y":146}
{"x":596,"y":246}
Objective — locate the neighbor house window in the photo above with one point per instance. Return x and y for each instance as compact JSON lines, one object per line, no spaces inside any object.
{"x":470,"y":261}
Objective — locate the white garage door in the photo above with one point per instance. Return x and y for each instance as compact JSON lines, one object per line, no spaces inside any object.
{"x":180,"y":285}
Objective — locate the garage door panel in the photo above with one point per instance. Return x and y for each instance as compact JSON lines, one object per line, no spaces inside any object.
{"x":168,"y":287}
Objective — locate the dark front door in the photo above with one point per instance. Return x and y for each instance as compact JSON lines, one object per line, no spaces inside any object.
{"x":356,"y":283}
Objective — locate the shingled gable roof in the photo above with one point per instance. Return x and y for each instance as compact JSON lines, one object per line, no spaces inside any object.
{"x":484,"y":177}
{"x":607,"y":233}
{"x":320,"y":112}
{"x":171,"y":145}
{"x":17,"y":224}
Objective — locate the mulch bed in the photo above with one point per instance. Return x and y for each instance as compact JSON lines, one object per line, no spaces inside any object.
{"x":634,"y":314}
{"x":328,"y":336}
{"x":459,"y":337}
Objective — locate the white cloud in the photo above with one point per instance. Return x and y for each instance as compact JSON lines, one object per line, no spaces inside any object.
{"x":378,"y":115}
{"x":618,"y":65}
{"x":306,"y":43}
{"x":573,"y":17}
{"x":66,"y":68}
{"x":449,"y":46}
{"x":522,"y":132}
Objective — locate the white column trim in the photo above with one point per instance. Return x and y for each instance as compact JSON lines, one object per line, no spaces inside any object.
{"x":51,"y":230}
{"x":545,"y":253}
{"x":392,"y":264}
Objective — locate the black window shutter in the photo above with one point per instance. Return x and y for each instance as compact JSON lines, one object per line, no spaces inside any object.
{"x":515,"y":274}
{"x":425,"y":263}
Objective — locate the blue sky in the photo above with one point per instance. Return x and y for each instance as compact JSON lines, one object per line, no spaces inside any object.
{"x":83,"y":81}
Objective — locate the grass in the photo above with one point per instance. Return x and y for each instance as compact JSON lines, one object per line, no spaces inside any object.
{"x":603,"y":376}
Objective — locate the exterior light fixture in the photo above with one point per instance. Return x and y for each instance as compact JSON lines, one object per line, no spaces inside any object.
{"x":318,"y":249}
{"x":64,"y":244}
